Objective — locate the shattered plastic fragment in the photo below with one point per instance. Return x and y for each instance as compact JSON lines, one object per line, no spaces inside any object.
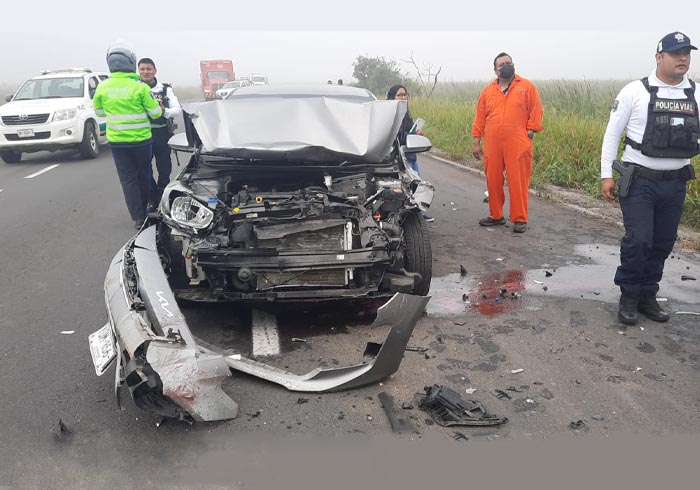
{"x":688,"y":278}
{"x":516,"y":371}
{"x":579,"y":424}
{"x":547,"y":274}
{"x":295,"y":339}
{"x":688,"y":313}
{"x":67,"y":332}
{"x":538,"y":282}
{"x":470,"y":390}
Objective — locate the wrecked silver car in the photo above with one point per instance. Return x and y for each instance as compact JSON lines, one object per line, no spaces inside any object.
{"x":288,"y":195}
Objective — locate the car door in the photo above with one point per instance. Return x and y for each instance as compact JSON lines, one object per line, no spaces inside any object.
{"x":93,"y":82}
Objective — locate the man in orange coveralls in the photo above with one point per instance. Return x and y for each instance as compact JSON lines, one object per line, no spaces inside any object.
{"x":508,"y":115}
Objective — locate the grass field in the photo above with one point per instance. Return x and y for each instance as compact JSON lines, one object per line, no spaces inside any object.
{"x":566,"y":153}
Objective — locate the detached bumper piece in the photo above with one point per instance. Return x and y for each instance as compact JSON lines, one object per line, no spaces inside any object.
{"x":168,"y":373}
{"x":447,"y":407}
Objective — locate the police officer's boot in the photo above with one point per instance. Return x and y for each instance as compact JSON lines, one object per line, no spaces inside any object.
{"x":648,"y":307}
{"x":627,"y":312}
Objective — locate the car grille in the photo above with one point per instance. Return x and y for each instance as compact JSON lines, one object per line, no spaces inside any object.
{"x":25,"y":119}
{"x":43,"y":135}
{"x":324,"y":278}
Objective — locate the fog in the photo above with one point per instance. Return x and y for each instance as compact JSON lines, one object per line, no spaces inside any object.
{"x":314,"y":41}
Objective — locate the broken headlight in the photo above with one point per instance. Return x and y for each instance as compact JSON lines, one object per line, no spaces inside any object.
{"x":190,"y":212}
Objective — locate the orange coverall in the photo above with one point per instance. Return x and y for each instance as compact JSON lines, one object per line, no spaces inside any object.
{"x":503,"y":120}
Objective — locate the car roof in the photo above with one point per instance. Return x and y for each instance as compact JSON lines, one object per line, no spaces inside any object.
{"x":319,"y":90}
{"x":68,"y":73}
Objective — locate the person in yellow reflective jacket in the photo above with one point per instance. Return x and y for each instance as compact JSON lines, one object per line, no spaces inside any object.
{"x":127,"y":104}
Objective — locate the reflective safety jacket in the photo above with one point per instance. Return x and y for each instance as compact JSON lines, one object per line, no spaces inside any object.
{"x":127,"y":103}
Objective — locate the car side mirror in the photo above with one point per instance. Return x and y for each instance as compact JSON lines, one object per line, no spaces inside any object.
{"x":417,"y":144}
{"x":8,"y":98}
{"x":178,"y":142}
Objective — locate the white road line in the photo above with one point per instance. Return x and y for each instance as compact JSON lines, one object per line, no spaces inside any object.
{"x":266,"y":340}
{"x":50,"y":167}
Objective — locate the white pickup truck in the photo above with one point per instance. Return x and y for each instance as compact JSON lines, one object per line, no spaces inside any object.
{"x":53,"y":111}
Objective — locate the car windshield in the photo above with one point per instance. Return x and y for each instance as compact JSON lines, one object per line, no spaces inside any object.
{"x":258,"y":79}
{"x":233,"y":84}
{"x":51,"y":88}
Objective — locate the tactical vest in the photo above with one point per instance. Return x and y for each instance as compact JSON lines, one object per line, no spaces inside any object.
{"x":162,"y":121}
{"x":673,"y":127}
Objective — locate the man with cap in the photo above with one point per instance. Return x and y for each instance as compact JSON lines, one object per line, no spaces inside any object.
{"x":659,"y":114}
{"x":128,"y":104}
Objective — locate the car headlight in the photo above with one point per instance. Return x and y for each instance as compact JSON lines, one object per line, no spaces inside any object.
{"x":64,"y":115}
{"x":190,"y":212}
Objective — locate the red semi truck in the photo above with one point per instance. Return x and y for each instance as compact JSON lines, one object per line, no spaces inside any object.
{"x":214,"y":74}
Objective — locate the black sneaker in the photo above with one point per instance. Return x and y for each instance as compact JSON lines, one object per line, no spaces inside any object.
{"x":519,"y":227}
{"x":489,"y":221}
{"x":648,"y":307}
{"x":627,"y":313}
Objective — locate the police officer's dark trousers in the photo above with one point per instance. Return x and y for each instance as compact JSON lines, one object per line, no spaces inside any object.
{"x":651,"y":213}
{"x":133,"y":161}
{"x":164,"y":165}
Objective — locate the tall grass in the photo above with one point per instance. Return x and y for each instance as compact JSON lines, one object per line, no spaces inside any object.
{"x":566,"y":153}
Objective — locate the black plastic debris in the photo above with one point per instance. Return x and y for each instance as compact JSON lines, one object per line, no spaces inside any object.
{"x":688,"y":278}
{"x":579,"y":424}
{"x":61,"y":432}
{"x":407,"y":406}
{"x":459,"y":436}
{"x":417,"y":349}
{"x":462,"y":271}
{"x":447,"y":408}
{"x":500,"y":394}
{"x":547,"y":274}
{"x":465,"y":297}
{"x":503,"y":292}
{"x":399,"y":423}
{"x":545,"y":288}
{"x":301,"y":400}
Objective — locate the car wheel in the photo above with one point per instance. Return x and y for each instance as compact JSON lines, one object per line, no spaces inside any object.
{"x":9,"y":156}
{"x":418,"y":255}
{"x":89,"y":147}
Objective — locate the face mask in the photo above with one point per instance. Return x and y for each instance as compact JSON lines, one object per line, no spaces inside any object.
{"x":507,"y":71}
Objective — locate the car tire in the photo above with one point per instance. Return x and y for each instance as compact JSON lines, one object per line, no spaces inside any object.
{"x":418,"y":254}
{"x":89,"y":147}
{"x":9,"y":156}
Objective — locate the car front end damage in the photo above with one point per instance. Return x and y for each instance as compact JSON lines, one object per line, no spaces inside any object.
{"x":168,"y":373}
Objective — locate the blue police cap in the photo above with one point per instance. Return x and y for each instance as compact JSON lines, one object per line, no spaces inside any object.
{"x":674,"y":42}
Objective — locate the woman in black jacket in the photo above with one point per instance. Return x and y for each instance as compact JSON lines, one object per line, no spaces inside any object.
{"x":399,"y":92}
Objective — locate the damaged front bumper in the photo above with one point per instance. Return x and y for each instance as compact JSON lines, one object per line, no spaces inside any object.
{"x":168,"y":373}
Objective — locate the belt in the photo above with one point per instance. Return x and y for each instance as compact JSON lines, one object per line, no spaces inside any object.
{"x":684,"y":173}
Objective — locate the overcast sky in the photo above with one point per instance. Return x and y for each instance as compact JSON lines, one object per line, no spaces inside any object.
{"x":314,"y":40}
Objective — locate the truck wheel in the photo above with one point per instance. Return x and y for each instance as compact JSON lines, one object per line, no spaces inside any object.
{"x":89,"y":147}
{"x":418,"y":255}
{"x":9,"y":156}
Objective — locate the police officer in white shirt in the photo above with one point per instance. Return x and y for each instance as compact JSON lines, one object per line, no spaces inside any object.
{"x":161,"y":128}
{"x":659,"y":114}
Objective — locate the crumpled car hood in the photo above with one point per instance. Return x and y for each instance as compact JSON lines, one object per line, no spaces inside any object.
{"x":319,"y":129}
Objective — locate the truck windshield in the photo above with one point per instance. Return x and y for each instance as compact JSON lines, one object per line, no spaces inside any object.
{"x":51,"y":88}
{"x":217,"y":74}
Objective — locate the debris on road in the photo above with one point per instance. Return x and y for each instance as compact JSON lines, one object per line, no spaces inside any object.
{"x":687,"y":313}
{"x":61,"y":431}
{"x":470,"y":390}
{"x":417,"y":349}
{"x":407,"y":406}
{"x":448,"y":408}
{"x":539,"y":283}
{"x":547,"y":274}
{"x":296,"y":339}
{"x":579,"y":424}
{"x":302,"y":400}
{"x":462,"y":271}
{"x":67,"y":332}
{"x":459,"y":436}
{"x":598,"y":418}
{"x":499,"y":259}
{"x":661,"y":299}
{"x":500,"y":394}
{"x":516,"y":371}
{"x":688,"y":278}
{"x":399,"y":423}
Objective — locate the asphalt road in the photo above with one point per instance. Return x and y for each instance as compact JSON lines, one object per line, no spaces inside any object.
{"x":60,"y":229}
